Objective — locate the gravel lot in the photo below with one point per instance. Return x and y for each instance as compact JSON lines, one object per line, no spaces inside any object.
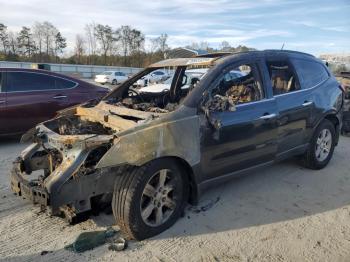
{"x":281,"y":213}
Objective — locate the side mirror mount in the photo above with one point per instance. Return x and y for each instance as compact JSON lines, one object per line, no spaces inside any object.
{"x":216,"y":105}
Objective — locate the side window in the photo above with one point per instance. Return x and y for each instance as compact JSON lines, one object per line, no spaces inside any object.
{"x":283,"y":77}
{"x":64,"y":83}
{"x":311,"y":73}
{"x":241,"y":88}
{"x":121,"y":74}
{"x":25,"y":81}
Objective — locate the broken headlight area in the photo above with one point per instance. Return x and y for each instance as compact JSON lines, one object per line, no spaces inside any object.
{"x":56,"y":170}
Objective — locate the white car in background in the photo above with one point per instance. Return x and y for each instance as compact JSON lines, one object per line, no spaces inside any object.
{"x":111,"y":77}
{"x":193,"y":76}
{"x":154,"y":77}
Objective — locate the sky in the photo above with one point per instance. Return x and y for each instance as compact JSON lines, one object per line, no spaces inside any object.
{"x":315,"y":26}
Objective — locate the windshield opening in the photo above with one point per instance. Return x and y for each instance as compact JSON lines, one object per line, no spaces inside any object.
{"x":159,"y":90}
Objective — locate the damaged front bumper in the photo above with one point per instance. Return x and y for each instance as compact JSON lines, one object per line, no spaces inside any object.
{"x":61,"y":188}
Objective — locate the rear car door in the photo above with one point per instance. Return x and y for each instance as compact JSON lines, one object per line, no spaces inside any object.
{"x":32,"y":97}
{"x":242,"y":138}
{"x":122,"y":77}
{"x":294,"y":105}
{"x":313,"y":75}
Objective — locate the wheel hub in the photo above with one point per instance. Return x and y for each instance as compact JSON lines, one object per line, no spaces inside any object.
{"x":323,"y":145}
{"x":157,"y":201}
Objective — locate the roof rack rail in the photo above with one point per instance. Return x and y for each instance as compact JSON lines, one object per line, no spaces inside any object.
{"x":288,"y":51}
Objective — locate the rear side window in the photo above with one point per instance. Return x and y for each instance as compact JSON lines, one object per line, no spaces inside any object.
{"x":64,"y":83}
{"x":283,"y":77}
{"x":311,"y":73}
{"x":25,"y":81}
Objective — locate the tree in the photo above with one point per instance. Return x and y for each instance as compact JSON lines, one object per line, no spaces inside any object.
{"x":79,"y":49}
{"x":123,"y":37}
{"x":104,"y":34}
{"x":91,"y":41}
{"x":136,"y":44}
{"x":13,"y":44}
{"x":131,"y":41}
{"x":159,"y":44}
{"x":60,"y":44}
{"x":49,"y":33}
{"x":4,"y":38}
{"x":225,"y":46}
{"x":25,"y":42}
{"x":199,"y":46}
{"x":38,"y":35}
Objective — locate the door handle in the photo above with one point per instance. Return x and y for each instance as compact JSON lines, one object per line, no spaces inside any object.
{"x":269,"y":116}
{"x":307,"y":103}
{"x":2,"y":101}
{"x":59,"y":97}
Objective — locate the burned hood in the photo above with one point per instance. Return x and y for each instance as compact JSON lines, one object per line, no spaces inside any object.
{"x":174,"y":135}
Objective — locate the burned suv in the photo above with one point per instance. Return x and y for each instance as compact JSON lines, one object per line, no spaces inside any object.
{"x":148,"y":154}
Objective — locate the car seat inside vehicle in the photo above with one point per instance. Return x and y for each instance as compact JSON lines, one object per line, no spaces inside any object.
{"x":282,"y":79}
{"x":242,"y":89}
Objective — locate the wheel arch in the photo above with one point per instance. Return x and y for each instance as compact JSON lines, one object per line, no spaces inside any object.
{"x":335,"y":121}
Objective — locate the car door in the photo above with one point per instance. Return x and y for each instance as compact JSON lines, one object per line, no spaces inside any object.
{"x":2,"y":103}
{"x":122,"y":77}
{"x":294,"y":105}
{"x":242,"y":138}
{"x":31,"y":98}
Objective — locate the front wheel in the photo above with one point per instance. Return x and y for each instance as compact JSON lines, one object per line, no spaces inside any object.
{"x":114,"y":82}
{"x":321,"y":147}
{"x":148,"y":200}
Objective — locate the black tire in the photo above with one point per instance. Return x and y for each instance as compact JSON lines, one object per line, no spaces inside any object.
{"x":114,"y":82}
{"x":129,"y":195}
{"x":310,"y":159}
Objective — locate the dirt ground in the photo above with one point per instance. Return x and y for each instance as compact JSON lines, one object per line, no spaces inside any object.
{"x":280,"y":213}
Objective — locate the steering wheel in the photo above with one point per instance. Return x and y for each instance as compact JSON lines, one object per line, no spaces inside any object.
{"x":132,"y":92}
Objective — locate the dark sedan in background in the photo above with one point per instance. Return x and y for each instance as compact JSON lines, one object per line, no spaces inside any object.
{"x":30,"y":96}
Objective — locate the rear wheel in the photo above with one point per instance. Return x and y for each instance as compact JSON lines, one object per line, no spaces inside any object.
{"x":322,"y":145}
{"x":149,"y":199}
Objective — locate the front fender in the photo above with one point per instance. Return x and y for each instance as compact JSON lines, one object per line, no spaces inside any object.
{"x":178,"y":138}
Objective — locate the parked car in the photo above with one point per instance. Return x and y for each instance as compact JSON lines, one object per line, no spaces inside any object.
{"x":28,"y":97}
{"x":191,"y":76}
{"x":111,"y":77}
{"x":149,"y":155}
{"x":154,"y":77}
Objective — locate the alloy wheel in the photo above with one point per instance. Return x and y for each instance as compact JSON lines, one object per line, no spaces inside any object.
{"x":158,"y":200}
{"x":323,"y":145}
